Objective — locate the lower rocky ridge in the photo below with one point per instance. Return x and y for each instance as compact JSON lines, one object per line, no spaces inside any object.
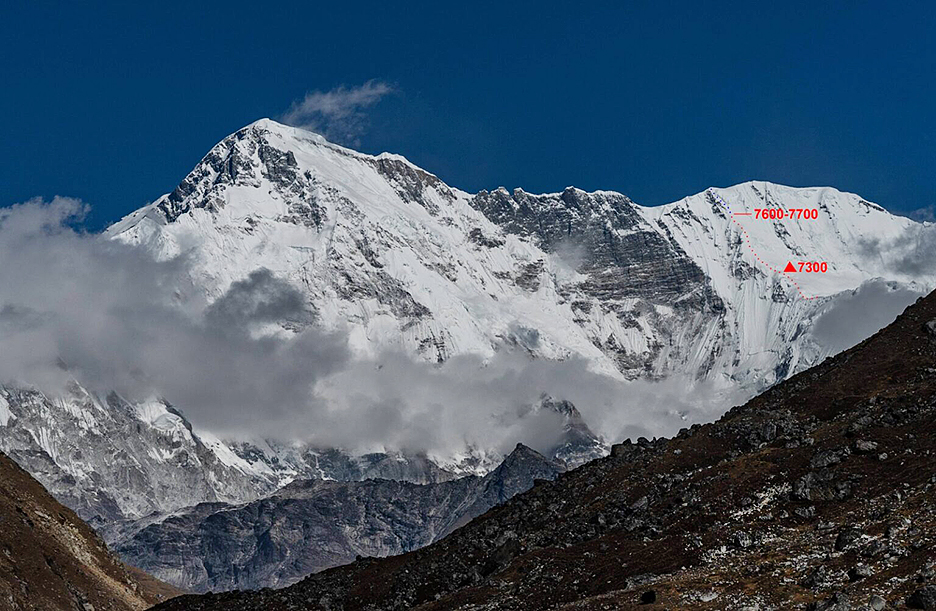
{"x":311,"y":525}
{"x":818,"y":494}
{"x":50,"y":560}
{"x":117,"y":463}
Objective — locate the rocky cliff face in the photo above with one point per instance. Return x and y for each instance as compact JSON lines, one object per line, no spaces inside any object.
{"x":52,"y":561}
{"x":311,"y":525}
{"x":621,"y":254}
{"x":818,"y":494}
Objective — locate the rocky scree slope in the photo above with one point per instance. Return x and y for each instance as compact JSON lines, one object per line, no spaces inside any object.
{"x":50,"y":560}
{"x":313,"y":524}
{"x":818,"y":494}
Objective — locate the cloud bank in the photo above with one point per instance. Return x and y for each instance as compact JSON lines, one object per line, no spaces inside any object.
{"x":120,"y":321}
{"x":339,"y":114}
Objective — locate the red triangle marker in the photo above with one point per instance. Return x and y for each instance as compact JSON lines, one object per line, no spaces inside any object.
{"x":789,"y":268}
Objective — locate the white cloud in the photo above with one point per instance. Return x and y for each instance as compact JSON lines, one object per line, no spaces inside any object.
{"x":121,"y":321}
{"x":913,"y":252}
{"x":852,"y":317}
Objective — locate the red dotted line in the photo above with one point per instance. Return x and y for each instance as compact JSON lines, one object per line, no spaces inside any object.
{"x":747,"y":238}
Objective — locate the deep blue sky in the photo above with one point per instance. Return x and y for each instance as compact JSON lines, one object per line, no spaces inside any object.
{"x":114,"y":103}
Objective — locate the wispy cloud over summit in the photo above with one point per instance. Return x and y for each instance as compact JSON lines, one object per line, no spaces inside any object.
{"x":339,"y":114}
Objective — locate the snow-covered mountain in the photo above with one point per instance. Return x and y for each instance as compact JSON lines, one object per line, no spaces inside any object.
{"x":405,"y":261}
{"x":401,"y":261}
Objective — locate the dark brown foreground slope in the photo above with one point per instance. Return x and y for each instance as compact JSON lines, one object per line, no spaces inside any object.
{"x":817,"y":494}
{"x":50,"y":560}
